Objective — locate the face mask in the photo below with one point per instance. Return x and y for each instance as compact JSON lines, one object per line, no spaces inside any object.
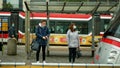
{"x":12,"y":24}
{"x":39,"y":24}
{"x":74,"y":27}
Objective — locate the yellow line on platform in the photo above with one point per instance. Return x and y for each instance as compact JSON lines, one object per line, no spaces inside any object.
{"x":23,"y":67}
{"x":36,"y":67}
{"x":7,"y":66}
{"x":93,"y":67}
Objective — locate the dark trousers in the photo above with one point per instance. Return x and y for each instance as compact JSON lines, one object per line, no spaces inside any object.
{"x":43,"y":52}
{"x":72,"y":54}
{"x":1,"y":45}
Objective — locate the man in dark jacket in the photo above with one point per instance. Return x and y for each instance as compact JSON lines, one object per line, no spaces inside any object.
{"x":11,"y":31}
{"x":42,"y":33}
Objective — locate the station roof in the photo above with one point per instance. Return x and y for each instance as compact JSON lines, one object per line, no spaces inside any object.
{"x":72,"y":7}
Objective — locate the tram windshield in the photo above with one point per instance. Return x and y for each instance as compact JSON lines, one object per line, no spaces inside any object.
{"x":114,"y":28}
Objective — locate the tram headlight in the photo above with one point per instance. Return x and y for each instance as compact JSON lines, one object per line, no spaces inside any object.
{"x":113,"y":53}
{"x":112,"y":56}
{"x":111,"y":59}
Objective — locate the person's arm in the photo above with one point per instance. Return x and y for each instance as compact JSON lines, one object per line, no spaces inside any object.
{"x":48,"y":32}
{"x":37,"y":32}
{"x":11,"y":32}
{"x":78,"y":39}
{"x":68,"y":36}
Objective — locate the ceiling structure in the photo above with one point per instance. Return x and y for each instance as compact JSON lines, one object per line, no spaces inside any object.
{"x":72,"y":7}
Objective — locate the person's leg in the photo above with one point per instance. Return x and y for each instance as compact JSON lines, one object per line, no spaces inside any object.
{"x":74,"y":54}
{"x":43,"y":52}
{"x":70,"y":54}
{"x":37,"y":54}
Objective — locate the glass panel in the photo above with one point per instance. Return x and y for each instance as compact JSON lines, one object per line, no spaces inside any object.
{"x":114,"y":30}
{"x":22,"y":25}
{"x":52,"y":26}
{"x":55,"y":8}
{"x":103,"y":8}
{"x":61,"y":27}
{"x":33,"y":24}
{"x":15,"y":3}
{"x":106,"y":23}
{"x":82,"y":27}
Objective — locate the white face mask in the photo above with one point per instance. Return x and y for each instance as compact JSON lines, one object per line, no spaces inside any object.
{"x":39,"y":24}
{"x":74,"y":27}
{"x":13,"y":25}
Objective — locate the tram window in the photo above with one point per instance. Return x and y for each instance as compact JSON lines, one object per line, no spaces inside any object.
{"x":22,"y":25}
{"x":82,"y":27}
{"x":59,"y":27}
{"x":52,"y":27}
{"x":62,"y":27}
{"x":34,"y":23}
{"x":117,"y":33}
{"x":106,"y":23}
{"x":114,"y":30}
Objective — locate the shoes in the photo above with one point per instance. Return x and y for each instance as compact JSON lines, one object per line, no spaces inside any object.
{"x":44,"y":61}
{"x":71,"y":61}
{"x":38,"y":62}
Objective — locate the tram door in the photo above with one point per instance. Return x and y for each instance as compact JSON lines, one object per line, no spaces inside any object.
{"x":14,"y":19}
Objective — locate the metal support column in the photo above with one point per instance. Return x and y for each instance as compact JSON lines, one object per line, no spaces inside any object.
{"x":93,"y":36}
{"x":48,"y":25}
{"x":27,"y":30}
{"x":27,"y":33}
{"x":47,"y":14}
{"x":93,"y":12}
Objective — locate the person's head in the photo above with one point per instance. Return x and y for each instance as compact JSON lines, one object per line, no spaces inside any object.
{"x":72,"y":27}
{"x":43,"y":23}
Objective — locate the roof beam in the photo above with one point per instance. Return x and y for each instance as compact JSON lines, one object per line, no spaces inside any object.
{"x":95,"y":9}
{"x":26,"y":6}
{"x":79,"y":7}
{"x":63,"y":7}
{"x":112,"y":7}
{"x":47,"y":7}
